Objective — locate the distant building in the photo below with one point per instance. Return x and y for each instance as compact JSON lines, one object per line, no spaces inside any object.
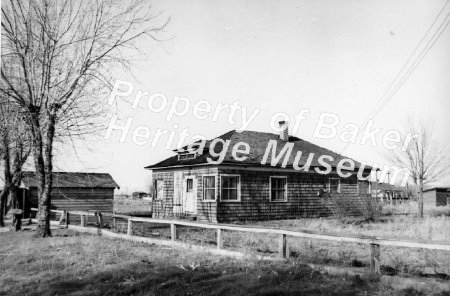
{"x":391,"y":194}
{"x":73,"y":191}
{"x":139,"y":194}
{"x":436,"y":196}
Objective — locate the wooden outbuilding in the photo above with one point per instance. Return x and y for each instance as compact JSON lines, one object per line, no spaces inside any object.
{"x":187,"y":185}
{"x":73,"y":191}
{"x":436,"y":196}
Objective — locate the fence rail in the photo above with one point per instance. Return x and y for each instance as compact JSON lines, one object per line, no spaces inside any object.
{"x":283,"y":249}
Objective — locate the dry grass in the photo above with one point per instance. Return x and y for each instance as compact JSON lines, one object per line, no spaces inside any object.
{"x":399,"y":261}
{"x":74,"y":264}
{"x":402,"y":261}
{"x":71,"y":264}
{"x":88,"y":265}
{"x":411,"y":208}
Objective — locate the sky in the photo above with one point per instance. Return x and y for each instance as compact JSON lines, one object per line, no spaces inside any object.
{"x":328,"y":56}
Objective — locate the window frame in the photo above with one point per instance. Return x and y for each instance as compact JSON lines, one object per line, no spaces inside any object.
{"x":203,"y":188}
{"x":238,"y":188}
{"x":192,"y":154}
{"x":285,"y":189}
{"x":329,"y":185}
{"x":187,"y":181}
{"x":156,"y":189}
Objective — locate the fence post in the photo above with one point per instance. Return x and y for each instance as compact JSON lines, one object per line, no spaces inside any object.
{"x":82,"y":223}
{"x":219,"y":238}
{"x":114,"y":221}
{"x":283,"y":251}
{"x":375,"y":259}
{"x":99,"y":223}
{"x":173,"y":232}
{"x":129,"y":232}
{"x":67,"y":218}
{"x":29,"y":220}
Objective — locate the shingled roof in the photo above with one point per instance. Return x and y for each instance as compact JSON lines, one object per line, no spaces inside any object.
{"x":258,"y":142}
{"x":71,"y":179}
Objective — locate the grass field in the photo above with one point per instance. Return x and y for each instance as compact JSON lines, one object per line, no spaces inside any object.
{"x":400,"y":261}
{"x":73,"y":264}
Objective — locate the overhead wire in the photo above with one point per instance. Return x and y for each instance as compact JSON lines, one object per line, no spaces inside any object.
{"x":402,"y":76}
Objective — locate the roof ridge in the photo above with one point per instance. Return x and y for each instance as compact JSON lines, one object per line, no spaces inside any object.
{"x":67,"y":172}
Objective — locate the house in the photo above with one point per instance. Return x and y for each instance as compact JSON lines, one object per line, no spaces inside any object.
{"x":436,"y":196}
{"x":391,"y":194}
{"x":247,"y":186}
{"x":73,"y":191}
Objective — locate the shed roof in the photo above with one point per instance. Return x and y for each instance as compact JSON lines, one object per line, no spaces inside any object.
{"x":73,"y":179}
{"x":444,"y":188}
{"x":258,"y":142}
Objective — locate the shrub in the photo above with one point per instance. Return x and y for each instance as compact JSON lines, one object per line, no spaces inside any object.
{"x":372,"y":208}
{"x":339,"y":206}
{"x":343,"y":206}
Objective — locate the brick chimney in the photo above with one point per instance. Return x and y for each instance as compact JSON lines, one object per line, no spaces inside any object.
{"x":284,"y":130}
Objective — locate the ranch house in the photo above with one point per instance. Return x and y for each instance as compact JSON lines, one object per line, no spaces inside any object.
{"x":252,"y":175}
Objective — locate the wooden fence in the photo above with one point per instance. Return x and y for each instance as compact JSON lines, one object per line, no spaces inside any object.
{"x":283,"y":249}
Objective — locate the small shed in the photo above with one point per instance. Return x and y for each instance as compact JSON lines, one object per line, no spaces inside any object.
{"x":73,"y":191}
{"x":437,"y":196}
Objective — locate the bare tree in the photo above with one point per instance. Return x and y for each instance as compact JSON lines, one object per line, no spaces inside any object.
{"x":14,"y":150}
{"x":64,"y":53}
{"x":425,"y":157}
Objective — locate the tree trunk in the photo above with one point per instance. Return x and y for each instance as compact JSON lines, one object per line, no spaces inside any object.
{"x":3,"y":197}
{"x":45,"y":167}
{"x":8,"y":180}
{"x":14,"y":204}
{"x":421,"y":198}
{"x":43,"y":217}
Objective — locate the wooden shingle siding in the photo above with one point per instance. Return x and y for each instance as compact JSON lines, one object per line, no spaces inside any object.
{"x":164,"y":208}
{"x":78,"y":199}
{"x":302,"y":195}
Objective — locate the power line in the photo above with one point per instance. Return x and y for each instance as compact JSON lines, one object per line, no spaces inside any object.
{"x":416,"y":63}
{"x":391,"y":85}
{"x":402,"y":76}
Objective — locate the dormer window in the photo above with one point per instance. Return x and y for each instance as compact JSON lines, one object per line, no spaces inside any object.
{"x":186,"y":156}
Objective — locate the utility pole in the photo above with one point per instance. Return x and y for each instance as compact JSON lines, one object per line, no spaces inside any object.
{"x":376,"y":185}
{"x":390,"y":190}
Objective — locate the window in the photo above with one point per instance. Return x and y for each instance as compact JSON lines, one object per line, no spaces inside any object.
{"x":278,"y":188}
{"x":335,"y":185}
{"x":159,"y":187}
{"x":189,"y":185}
{"x":209,"y":188}
{"x":185,"y":156}
{"x":230,"y":188}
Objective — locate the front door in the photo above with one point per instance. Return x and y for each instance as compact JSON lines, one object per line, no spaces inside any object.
{"x":190,"y":195}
